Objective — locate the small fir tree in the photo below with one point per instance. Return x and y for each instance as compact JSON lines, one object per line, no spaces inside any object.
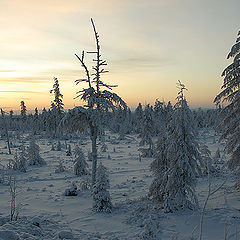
{"x":36,"y":122}
{"x":159,"y":167}
{"x":207,"y":160}
{"x":80,"y":164}
{"x":101,"y":196}
{"x":138,"y":116}
{"x":56,"y":112}
{"x":23,"y":111}
{"x":147,"y":132}
{"x":159,"y":115}
{"x":57,"y":102}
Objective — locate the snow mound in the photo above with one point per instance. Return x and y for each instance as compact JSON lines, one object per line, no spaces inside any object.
{"x":36,"y":228}
{"x":8,"y":235}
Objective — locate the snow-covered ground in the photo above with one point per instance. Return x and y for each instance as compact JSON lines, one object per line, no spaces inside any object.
{"x":46,"y":213}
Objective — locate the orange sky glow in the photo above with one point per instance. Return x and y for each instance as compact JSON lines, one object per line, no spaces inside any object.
{"x":148,"y":45}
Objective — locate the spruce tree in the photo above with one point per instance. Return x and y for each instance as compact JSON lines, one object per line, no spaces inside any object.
{"x":56,"y":106}
{"x":159,"y":115}
{"x":80,"y":164}
{"x":57,"y":102}
{"x":147,"y":131}
{"x":23,"y":111}
{"x":230,"y":95}
{"x":138,"y":116}
{"x":160,"y":167}
{"x":177,"y":164}
{"x":101,"y":196}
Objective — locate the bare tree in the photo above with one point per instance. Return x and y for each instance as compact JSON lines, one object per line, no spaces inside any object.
{"x":14,"y":207}
{"x":98,"y":101}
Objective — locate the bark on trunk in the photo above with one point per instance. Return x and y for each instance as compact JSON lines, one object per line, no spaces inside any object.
{"x":94,"y":131}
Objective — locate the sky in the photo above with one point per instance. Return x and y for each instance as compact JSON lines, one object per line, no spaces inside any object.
{"x":149,"y":45}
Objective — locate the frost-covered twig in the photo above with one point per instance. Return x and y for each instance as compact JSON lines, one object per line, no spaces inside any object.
{"x":14,"y":212}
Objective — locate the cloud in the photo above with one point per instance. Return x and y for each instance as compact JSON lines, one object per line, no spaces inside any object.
{"x":142,"y":62}
{"x":8,"y":107}
{"x":30,"y":92}
{"x":6,"y":70}
{"x":25,"y":98}
{"x":26,"y":80}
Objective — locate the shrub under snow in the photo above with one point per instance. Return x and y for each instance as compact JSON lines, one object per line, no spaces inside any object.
{"x":33,"y":155}
{"x":20,"y":161}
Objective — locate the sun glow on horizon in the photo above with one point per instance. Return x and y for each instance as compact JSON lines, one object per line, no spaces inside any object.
{"x":146,"y":54}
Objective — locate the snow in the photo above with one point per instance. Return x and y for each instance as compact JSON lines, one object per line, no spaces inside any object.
{"x":46,"y":213}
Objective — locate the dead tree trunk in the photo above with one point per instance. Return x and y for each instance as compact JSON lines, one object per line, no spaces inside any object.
{"x":94,"y":131}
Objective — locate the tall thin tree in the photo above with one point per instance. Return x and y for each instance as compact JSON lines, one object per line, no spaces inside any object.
{"x":56,"y":105}
{"x":98,"y":101}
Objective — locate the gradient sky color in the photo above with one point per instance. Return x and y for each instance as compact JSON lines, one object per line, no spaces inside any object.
{"x":148,"y":44}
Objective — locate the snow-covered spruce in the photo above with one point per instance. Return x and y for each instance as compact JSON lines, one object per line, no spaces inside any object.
{"x":20,"y":161}
{"x":159,"y":167}
{"x":19,"y":164}
{"x":177,"y":178}
{"x":230,"y":125}
{"x":80,"y":164}
{"x":138,"y":116}
{"x":33,"y":156}
{"x":23,"y":111}
{"x":57,"y":102}
{"x":147,"y":132}
{"x":56,"y":112}
{"x":207,"y":160}
{"x":101,"y":197}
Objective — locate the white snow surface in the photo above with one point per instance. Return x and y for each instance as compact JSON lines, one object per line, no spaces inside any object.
{"x":46,"y":213}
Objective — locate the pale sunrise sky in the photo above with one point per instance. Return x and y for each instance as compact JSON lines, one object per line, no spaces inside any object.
{"x":148,"y":44}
